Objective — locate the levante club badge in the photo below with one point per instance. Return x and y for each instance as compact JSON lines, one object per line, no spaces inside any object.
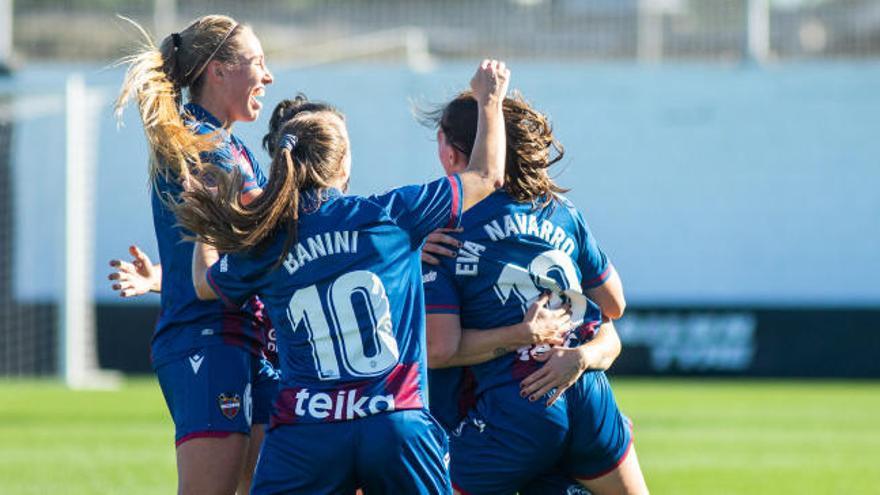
{"x":229,"y":404}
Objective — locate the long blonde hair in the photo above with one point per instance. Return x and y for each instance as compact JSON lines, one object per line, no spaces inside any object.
{"x":156,"y":78}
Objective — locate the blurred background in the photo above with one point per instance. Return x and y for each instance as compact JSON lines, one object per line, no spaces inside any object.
{"x":724,"y":152}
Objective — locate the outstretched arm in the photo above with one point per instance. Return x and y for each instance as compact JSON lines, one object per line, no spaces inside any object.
{"x":485,"y":170}
{"x":449,"y":345}
{"x":137,"y":277}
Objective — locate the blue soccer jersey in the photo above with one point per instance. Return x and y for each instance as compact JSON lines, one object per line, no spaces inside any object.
{"x":512,"y":253}
{"x":186,"y":323}
{"x":347,"y":300}
{"x":501,"y":442}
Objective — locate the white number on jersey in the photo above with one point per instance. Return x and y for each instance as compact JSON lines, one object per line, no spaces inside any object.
{"x":306,"y":307}
{"x":526,"y":284}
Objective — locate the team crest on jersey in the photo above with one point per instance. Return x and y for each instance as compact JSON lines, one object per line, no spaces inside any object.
{"x":429,"y":277}
{"x":229,"y":404}
{"x":577,"y":490}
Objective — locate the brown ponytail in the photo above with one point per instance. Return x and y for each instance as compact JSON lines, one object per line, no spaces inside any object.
{"x":217,"y":216}
{"x":156,"y":78}
{"x":531,"y":146}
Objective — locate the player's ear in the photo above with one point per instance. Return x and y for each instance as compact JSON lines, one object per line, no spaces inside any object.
{"x":214,"y":70}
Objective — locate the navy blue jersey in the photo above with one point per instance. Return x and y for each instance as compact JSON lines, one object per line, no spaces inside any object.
{"x":185,"y":322}
{"x":347,"y":300}
{"x":512,"y":253}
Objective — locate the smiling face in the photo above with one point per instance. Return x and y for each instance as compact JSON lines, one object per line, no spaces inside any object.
{"x":241,"y":83}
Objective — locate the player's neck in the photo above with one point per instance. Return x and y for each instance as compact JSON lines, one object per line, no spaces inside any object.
{"x":214,"y":109}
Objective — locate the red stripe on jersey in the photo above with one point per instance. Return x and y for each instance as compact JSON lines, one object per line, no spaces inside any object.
{"x":455,"y":211}
{"x":350,"y":400}
{"x":467,"y":392}
{"x":438,"y":307}
{"x":217,"y":290}
{"x":601,"y":278}
{"x":403,"y":382}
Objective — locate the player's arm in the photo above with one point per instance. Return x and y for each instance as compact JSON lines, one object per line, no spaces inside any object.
{"x":203,"y":257}
{"x":137,"y":277}
{"x":601,"y":351}
{"x":565,"y":365}
{"x":609,"y":296}
{"x":450,"y":346}
{"x":485,"y":170}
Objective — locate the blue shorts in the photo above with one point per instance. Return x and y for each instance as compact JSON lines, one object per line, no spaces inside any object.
{"x":504,"y":442}
{"x":398,"y":452}
{"x":507,"y":444}
{"x":600,"y":436}
{"x":217,"y":390}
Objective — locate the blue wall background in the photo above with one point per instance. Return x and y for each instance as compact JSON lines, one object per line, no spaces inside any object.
{"x":706,"y":184}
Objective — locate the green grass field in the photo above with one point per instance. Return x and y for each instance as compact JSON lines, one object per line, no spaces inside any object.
{"x":693,"y":437}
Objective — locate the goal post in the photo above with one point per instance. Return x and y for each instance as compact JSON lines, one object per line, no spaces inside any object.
{"x":77,"y":342}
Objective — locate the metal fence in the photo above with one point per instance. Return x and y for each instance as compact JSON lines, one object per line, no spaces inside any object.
{"x":647,"y":30}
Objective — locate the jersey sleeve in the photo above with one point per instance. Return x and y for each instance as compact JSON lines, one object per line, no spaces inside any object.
{"x":441,"y":296}
{"x":421,"y":209}
{"x":592,"y":262}
{"x":235,"y":278}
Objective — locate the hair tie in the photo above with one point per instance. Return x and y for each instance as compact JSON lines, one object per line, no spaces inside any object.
{"x":175,"y":39}
{"x":288,"y":142}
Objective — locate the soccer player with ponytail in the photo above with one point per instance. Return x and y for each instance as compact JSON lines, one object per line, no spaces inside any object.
{"x":524,"y":416}
{"x":208,"y":357}
{"x":341,"y":279}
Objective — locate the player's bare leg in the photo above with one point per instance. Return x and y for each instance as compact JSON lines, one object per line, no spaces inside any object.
{"x":250,"y":461}
{"x":211,"y":466}
{"x":626,"y":479}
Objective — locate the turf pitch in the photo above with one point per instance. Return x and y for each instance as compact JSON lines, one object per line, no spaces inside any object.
{"x":692,"y":437}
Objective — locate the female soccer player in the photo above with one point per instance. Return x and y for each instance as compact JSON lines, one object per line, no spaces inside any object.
{"x":341,"y":279}
{"x":207,"y":357}
{"x":516,"y":244}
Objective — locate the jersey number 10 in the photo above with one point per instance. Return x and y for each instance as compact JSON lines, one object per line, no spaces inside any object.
{"x":359,"y":288}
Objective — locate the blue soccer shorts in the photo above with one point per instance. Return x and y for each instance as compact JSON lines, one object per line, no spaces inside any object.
{"x":600,"y":436}
{"x":397,"y":452}
{"x":507,"y":444}
{"x":217,"y":390}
